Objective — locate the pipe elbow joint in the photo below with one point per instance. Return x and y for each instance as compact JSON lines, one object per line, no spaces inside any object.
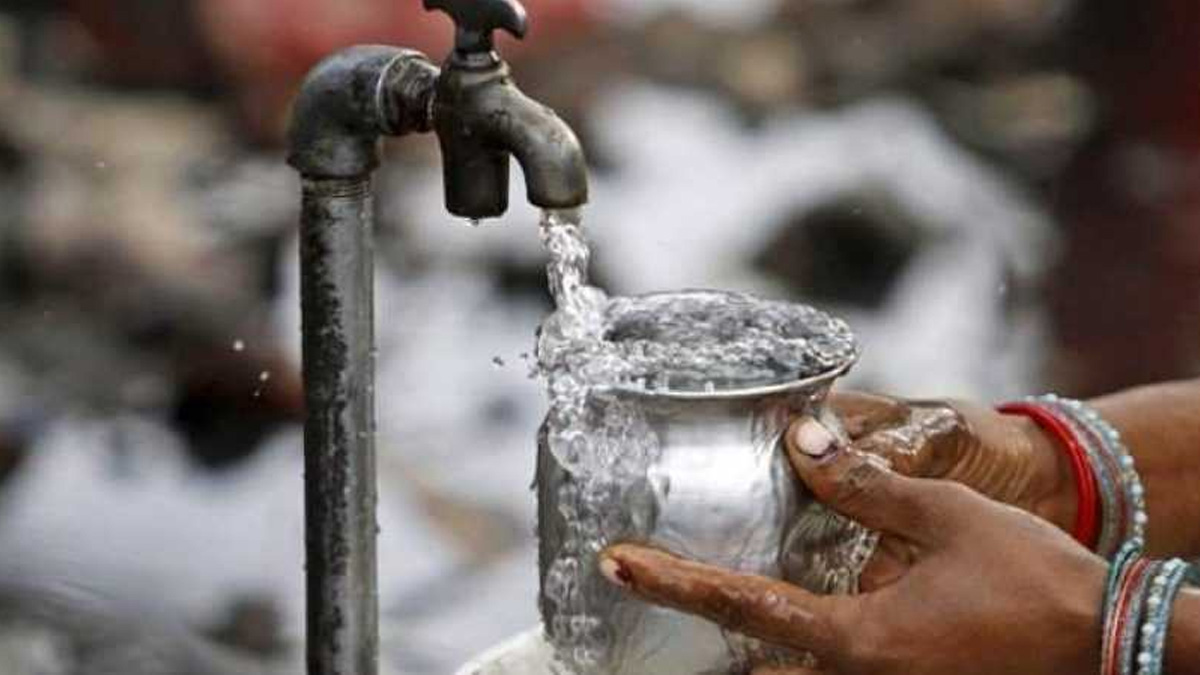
{"x":352,"y":98}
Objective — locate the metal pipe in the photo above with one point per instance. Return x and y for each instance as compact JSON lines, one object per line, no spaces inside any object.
{"x":339,"y":433}
{"x":344,"y":106}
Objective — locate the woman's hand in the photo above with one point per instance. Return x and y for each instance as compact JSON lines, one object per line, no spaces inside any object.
{"x":1007,"y":458}
{"x":974,"y":585}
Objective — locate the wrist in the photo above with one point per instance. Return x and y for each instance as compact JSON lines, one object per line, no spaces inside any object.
{"x":1183,"y":644}
{"x":1053,"y":495}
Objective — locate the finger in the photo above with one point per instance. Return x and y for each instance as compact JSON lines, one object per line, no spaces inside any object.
{"x":904,"y":450}
{"x":768,"y":609}
{"x":862,"y":413}
{"x":860,"y":486}
{"x":928,"y":445}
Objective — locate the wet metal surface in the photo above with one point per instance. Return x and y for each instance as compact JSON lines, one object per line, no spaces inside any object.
{"x":720,"y":491}
{"x":339,"y":439}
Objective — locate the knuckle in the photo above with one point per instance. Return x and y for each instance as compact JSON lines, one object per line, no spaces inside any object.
{"x":768,"y":603}
{"x":860,"y":482}
{"x":873,"y":444}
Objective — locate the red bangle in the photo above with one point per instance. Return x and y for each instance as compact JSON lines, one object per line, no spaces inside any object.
{"x":1087,"y":525}
{"x":1110,"y":650}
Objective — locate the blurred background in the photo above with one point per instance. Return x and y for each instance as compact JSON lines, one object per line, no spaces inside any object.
{"x":1001,"y":196}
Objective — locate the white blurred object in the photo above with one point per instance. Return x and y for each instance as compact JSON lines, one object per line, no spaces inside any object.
{"x":471,"y":610}
{"x":116,"y":504}
{"x":525,"y":654}
{"x":699,"y":197}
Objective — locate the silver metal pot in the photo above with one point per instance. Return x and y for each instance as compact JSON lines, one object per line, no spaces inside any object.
{"x":719,"y":490}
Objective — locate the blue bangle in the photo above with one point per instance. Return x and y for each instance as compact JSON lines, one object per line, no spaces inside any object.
{"x":1126,"y":556}
{"x":1160,"y":600}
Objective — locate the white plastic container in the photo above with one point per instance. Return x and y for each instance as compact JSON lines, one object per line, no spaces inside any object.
{"x":525,"y":654}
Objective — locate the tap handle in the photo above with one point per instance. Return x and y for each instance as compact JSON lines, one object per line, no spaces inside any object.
{"x":476,"y":19}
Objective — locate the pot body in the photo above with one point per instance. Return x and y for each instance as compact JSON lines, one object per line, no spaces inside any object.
{"x":716,"y":488}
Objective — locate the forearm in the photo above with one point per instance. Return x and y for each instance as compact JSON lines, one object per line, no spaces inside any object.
{"x":1183,"y":646}
{"x":1161,"y":427}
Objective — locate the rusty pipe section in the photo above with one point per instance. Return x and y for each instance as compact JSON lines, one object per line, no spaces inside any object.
{"x":339,"y":442}
{"x":347,"y":103}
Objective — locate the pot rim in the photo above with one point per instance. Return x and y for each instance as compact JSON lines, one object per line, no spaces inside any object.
{"x":810,"y":383}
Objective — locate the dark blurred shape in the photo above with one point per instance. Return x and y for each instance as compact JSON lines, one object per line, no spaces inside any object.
{"x":148,"y":43}
{"x":1126,"y":298}
{"x":861,"y":47}
{"x":847,"y":251}
{"x":521,"y":281}
{"x":25,"y":7}
{"x":1031,"y":121}
{"x":252,"y":625}
{"x":832,"y":52}
{"x":15,"y":180}
{"x":231,"y":400}
{"x":759,"y":70}
{"x":14,"y":446}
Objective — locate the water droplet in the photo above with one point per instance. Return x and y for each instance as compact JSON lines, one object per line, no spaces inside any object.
{"x":239,"y":346}
{"x":102,"y":165}
{"x":499,"y":362}
{"x":264,"y":376}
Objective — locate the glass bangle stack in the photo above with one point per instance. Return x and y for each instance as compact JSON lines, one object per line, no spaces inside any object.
{"x":1140,"y":593}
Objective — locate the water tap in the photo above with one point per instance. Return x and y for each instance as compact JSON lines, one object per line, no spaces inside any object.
{"x":346,"y":105}
{"x":481,"y":118}
{"x":479,"y":115}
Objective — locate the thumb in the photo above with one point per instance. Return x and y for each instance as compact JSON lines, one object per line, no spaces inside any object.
{"x":860,"y":486}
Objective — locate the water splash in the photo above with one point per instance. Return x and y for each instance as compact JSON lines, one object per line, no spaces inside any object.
{"x":592,"y":345}
{"x":696,"y":341}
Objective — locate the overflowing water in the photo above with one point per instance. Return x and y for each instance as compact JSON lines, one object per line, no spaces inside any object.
{"x":693,"y":343}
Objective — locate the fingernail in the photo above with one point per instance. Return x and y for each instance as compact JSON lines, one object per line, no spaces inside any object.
{"x":615,"y":572}
{"x":811,"y":438}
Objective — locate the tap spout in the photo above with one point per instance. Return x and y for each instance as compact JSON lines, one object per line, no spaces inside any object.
{"x":546,"y":148}
{"x":482,"y":119}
